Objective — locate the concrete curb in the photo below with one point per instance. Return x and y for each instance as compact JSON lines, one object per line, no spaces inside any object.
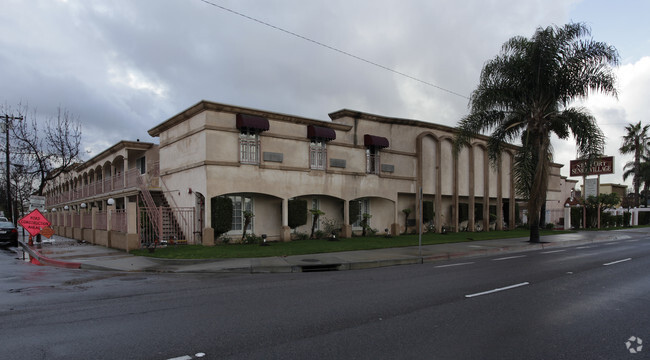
{"x":254,"y":265}
{"x":40,"y":259}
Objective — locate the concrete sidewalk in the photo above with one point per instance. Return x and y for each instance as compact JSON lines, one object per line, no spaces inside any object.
{"x":69,"y":253}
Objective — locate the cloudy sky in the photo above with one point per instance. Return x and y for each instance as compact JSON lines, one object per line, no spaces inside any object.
{"x":124,"y":66}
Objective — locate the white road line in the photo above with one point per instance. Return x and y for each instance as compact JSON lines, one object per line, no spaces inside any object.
{"x":616,"y":262}
{"x":184,"y":357}
{"x":509,"y":257}
{"x":635,"y":240}
{"x":497,"y":290}
{"x":553,"y":252}
{"x":610,"y":243}
{"x":584,"y":247}
{"x":450,"y":265}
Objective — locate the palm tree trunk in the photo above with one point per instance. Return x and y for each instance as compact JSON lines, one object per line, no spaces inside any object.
{"x":637,"y":174}
{"x":538,"y":187}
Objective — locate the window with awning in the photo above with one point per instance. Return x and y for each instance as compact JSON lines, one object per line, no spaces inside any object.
{"x":252,"y":123}
{"x":320,"y":133}
{"x":375,"y":141}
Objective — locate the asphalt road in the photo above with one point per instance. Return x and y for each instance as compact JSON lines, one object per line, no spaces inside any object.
{"x":582,"y":302}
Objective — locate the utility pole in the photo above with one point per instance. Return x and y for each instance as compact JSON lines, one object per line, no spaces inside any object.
{"x":8,"y":121}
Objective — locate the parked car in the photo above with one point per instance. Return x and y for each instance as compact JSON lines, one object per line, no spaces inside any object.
{"x":2,"y":218}
{"x":8,"y":233}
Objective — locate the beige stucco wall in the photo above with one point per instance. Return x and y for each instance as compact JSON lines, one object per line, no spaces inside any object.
{"x":199,"y":150}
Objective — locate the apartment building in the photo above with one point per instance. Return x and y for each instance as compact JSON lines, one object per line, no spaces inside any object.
{"x":261,"y":160}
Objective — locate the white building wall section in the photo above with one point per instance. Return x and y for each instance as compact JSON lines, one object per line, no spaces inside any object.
{"x":479,"y":171}
{"x":447,"y":167}
{"x":428,"y":165}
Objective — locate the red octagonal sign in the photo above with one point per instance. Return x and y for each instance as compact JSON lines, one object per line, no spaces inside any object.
{"x":34,"y":222}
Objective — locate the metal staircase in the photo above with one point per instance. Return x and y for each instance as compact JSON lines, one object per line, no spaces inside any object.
{"x":165,"y":223}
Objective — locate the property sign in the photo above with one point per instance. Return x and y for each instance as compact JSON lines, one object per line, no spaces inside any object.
{"x":591,"y":187}
{"x":36,"y":202}
{"x":599,"y":166}
{"x":34,"y":222}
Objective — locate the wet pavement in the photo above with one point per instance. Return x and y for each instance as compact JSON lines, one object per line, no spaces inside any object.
{"x":68,"y":253}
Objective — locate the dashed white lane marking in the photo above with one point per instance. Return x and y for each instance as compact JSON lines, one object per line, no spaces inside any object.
{"x":187,"y":357}
{"x":509,"y":257}
{"x":634,"y":240}
{"x":552,"y":252}
{"x":610,"y":243}
{"x":584,"y":247}
{"x":497,"y":290}
{"x":618,"y":261}
{"x":450,"y":265}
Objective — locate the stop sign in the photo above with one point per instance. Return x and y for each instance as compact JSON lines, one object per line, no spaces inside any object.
{"x":34,"y":222}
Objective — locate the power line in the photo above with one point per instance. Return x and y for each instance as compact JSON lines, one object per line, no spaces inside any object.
{"x":333,"y":48}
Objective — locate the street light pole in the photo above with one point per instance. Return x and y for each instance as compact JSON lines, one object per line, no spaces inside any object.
{"x":7,"y":124}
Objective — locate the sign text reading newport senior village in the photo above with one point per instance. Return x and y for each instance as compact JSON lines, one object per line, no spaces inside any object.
{"x":603,"y":165}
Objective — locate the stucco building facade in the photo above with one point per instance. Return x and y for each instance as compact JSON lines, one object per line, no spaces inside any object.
{"x":262,"y":160}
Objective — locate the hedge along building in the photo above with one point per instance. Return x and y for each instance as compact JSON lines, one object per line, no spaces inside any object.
{"x":262,"y":160}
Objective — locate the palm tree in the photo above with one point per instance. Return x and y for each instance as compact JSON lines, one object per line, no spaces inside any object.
{"x":634,"y":142}
{"x":643,"y":177}
{"x":525,"y":93}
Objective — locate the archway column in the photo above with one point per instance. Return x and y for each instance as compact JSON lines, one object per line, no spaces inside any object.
{"x":285,"y":230}
{"x":208,"y":231}
{"x":470,"y":211}
{"x":346,"y":228}
{"x":499,"y":221}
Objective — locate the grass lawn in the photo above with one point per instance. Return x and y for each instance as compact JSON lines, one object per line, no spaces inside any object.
{"x":300,"y":247}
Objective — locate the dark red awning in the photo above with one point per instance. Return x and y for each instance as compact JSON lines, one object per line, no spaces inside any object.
{"x":318,"y":132}
{"x":252,"y":122}
{"x":375,"y":141}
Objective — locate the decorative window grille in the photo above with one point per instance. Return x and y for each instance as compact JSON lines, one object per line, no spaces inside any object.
{"x":249,"y":148}
{"x":372,"y":161}
{"x":317,"y":154}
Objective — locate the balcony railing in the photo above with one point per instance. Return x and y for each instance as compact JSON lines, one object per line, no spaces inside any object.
{"x":106,"y":185}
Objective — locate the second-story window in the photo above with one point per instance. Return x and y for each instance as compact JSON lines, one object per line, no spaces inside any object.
{"x":373,"y":144}
{"x":141,"y":165}
{"x":317,"y":154}
{"x":250,"y":126}
{"x":318,"y":138}
{"x":372,"y":160}
{"x":249,"y":147}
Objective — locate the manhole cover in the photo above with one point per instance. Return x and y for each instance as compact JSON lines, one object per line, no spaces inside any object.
{"x":311,"y":260}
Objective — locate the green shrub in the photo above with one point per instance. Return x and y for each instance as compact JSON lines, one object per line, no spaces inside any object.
{"x":576,"y":217}
{"x":330,"y":225}
{"x":251,"y":239}
{"x":301,"y":236}
{"x":355,"y":207}
{"x":607,"y":219}
{"x":224,"y":239}
{"x":319,"y":234}
{"x":297,"y":213}
{"x":549,"y":226}
{"x":221,"y":216}
{"x":619,"y":220}
{"x":626,"y":218}
{"x":427,"y":211}
{"x":644,"y":218}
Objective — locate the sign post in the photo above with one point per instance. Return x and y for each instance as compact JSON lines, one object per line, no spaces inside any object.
{"x":34,"y":222}
{"x":37,"y":202}
{"x":584,"y":167}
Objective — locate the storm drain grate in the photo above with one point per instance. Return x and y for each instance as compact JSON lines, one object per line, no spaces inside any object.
{"x":320,"y":267}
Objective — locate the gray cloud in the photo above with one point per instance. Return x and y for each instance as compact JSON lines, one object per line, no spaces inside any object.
{"x":125,"y":66}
